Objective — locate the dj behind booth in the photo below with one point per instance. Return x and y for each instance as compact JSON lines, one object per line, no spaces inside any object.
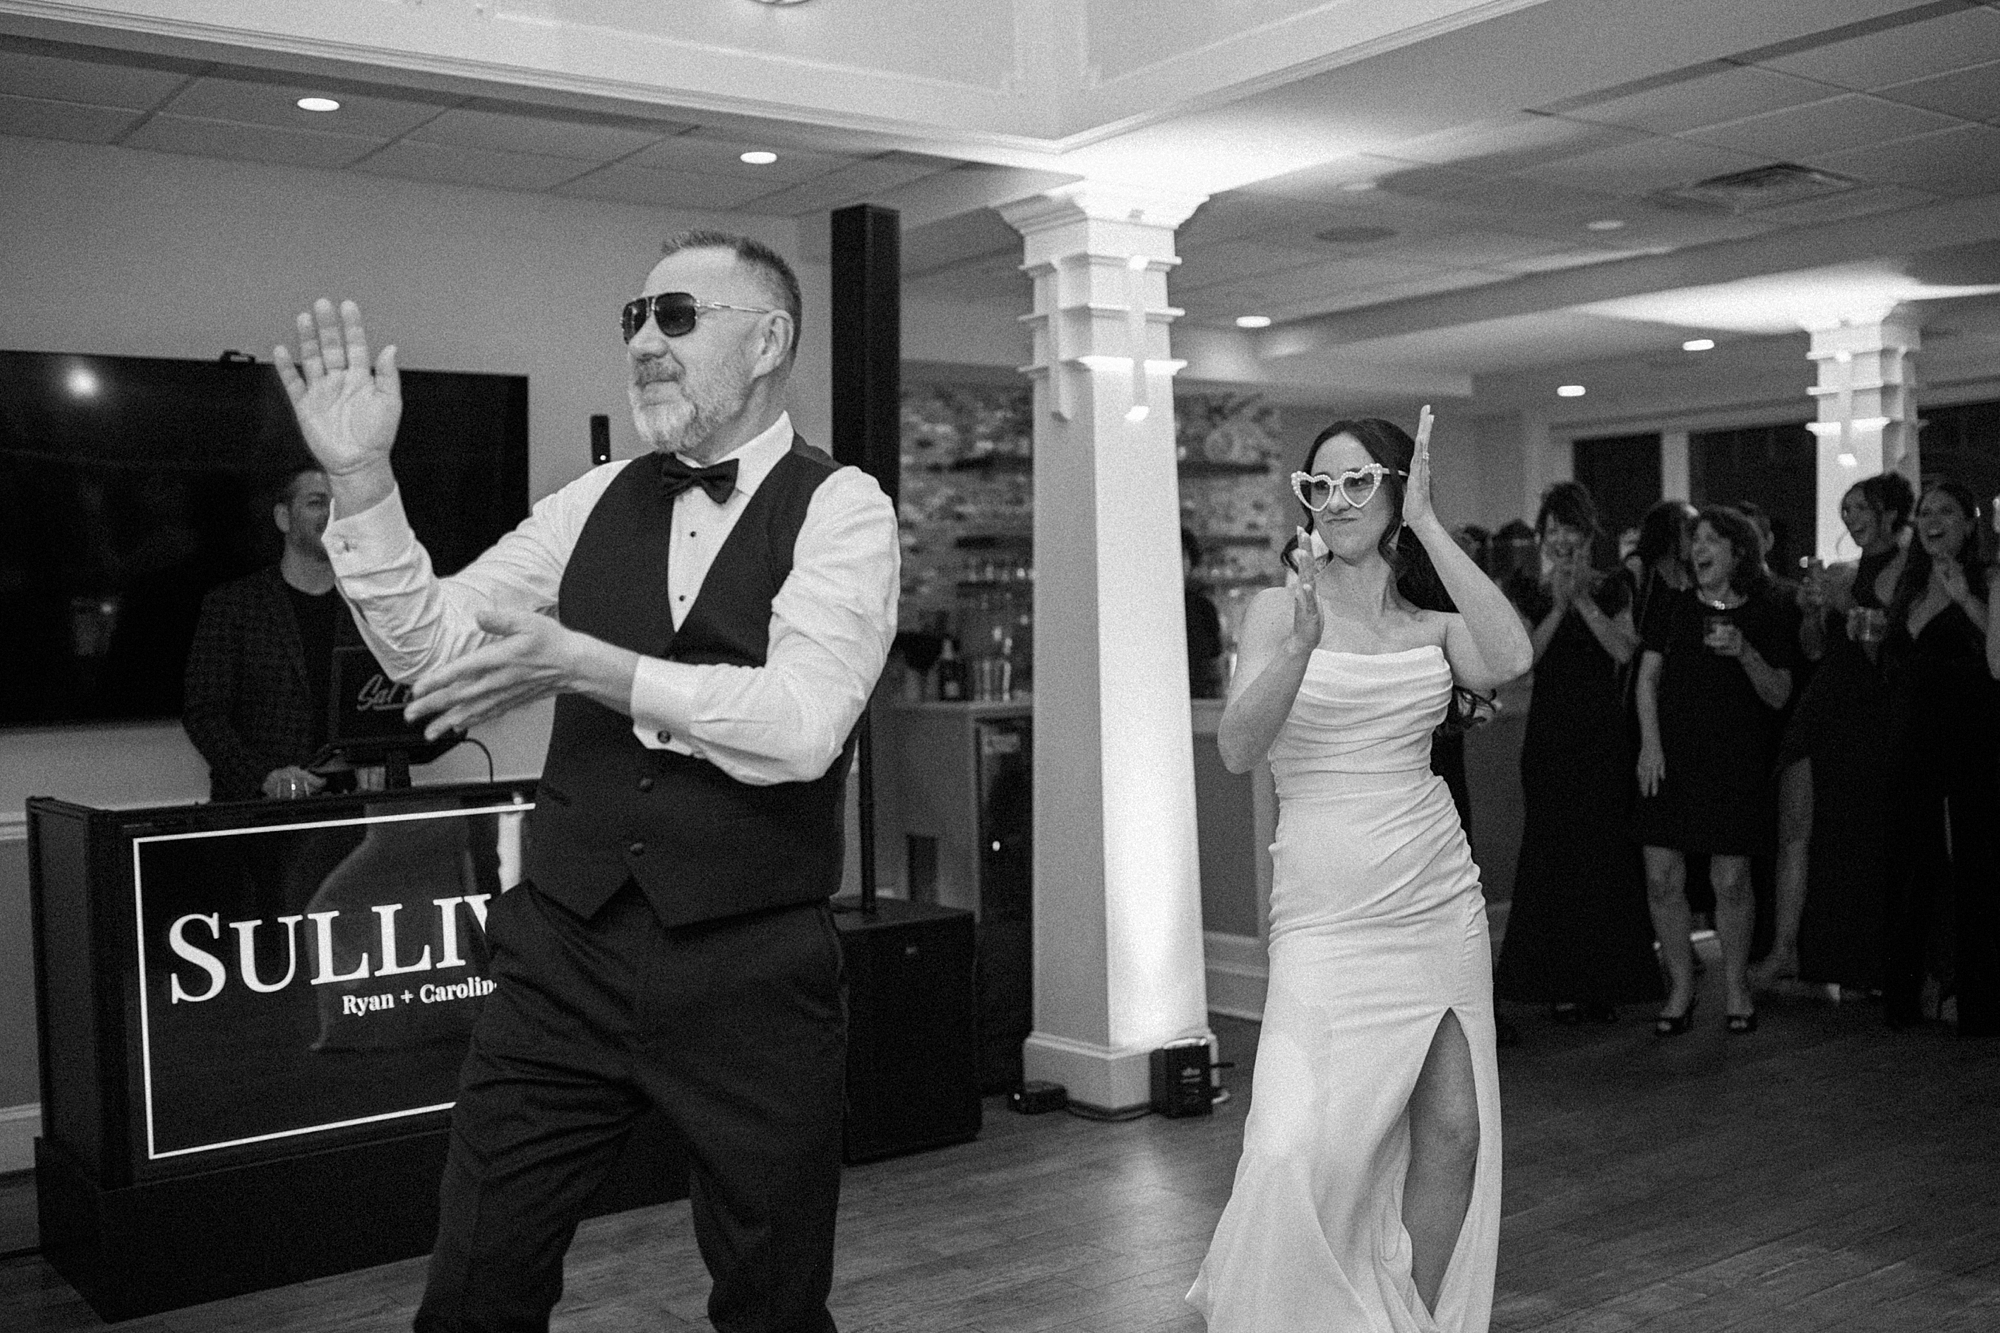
{"x":259,"y":670}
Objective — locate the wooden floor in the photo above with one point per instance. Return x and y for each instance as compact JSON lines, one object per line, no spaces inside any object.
{"x":1822,"y":1174}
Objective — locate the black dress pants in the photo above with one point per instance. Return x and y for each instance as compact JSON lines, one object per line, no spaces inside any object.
{"x":734,"y":1028}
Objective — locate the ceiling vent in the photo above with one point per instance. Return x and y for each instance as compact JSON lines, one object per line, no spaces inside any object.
{"x":1759,"y":187}
{"x":1357,"y":235}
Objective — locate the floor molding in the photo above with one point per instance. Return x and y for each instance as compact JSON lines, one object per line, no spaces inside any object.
{"x":1237,"y":973}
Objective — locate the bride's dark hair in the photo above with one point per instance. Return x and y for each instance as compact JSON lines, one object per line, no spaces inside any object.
{"x":1417,"y":580}
{"x":1390,"y":445}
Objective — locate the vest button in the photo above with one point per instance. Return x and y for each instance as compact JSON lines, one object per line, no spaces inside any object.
{"x":645,"y":784}
{"x":637,"y":849}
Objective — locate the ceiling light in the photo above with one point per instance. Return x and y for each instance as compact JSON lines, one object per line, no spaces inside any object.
{"x":82,"y":383}
{"x":1253,"y":321}
{"x":318,"y":104}
{"x":1357,"y":187}
{"x":1604,"y":224}
{"x":758,"y":157}
{"x":1698,"y":345}
{"x":1569,"y":391}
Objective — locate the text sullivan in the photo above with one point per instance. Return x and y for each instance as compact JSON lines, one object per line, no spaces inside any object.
{"x":387,"y":959}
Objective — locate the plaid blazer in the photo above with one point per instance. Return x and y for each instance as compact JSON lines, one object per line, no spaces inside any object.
{"x":249,"y":708}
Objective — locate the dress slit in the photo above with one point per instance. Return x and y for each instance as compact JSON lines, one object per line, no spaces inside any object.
{"x":1455,"y":1266}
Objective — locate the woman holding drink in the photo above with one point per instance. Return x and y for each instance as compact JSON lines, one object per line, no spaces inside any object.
{"x":1715,"y":672}
{"x":1833,"y":784}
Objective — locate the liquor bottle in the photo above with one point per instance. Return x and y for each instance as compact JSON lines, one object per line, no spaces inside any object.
{"x":951,"y":672}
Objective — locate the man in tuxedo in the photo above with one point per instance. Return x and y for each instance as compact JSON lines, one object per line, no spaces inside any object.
{"x":722,"y":608}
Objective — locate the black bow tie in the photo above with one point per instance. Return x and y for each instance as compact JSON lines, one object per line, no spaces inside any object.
{"x":718,"y":479}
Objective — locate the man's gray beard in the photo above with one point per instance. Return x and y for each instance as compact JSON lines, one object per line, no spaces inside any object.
{"x":665,"y":426}
{"x":687,"y":425}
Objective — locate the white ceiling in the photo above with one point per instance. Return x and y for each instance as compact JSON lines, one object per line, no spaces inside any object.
{"x":1434,"y":207}
{"x":173,"y":105}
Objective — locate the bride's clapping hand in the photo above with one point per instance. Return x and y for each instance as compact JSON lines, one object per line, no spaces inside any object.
{"x":1417,"y":493}
{"x":1305,"y":598}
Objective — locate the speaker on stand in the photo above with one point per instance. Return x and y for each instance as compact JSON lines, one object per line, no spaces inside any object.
{"x":912,"y":1043}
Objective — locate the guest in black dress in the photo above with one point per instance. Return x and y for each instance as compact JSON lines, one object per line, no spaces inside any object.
{"x":1946,"y":787}
{"x":1578,"y":936}
{"x":1204,"y":626}
{"x":1716,"y":670}
{"x":1833,"y":786}
{"x":1658,"y":564}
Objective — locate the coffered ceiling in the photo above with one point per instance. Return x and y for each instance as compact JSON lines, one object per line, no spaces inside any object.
{"x":1502,"y":192}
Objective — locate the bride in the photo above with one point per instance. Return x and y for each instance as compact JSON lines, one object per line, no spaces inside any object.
{"x":1368,"y":1193}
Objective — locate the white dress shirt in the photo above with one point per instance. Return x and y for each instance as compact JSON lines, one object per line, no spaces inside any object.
{"x":785,"y":721}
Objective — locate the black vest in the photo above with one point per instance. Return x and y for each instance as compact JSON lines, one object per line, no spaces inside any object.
{"x":700,"y":844}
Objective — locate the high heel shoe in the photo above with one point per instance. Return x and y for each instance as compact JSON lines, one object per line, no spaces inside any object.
{"x":1676,"y":1025}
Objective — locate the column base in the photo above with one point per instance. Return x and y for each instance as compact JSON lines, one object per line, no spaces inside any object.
{"x":1099,"y":1078}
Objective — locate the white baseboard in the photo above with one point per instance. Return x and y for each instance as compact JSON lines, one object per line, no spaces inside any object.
{"x":18,"y":1127}
{"x":1238,"y":972}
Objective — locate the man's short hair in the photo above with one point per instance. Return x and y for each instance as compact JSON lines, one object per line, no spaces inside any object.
{"x":286,"y":486}
{"x":770,"y":266}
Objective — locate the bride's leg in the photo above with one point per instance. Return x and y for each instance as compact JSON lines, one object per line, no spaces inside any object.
{"x":1444,"y":1150}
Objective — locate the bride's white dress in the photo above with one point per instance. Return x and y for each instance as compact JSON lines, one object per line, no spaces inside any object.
{"x":1378,"y":928}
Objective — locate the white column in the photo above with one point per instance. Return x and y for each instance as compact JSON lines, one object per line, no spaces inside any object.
{"x":1867,"y":409}
{"x":1676,"y":470}
{"x":1118,"y":943}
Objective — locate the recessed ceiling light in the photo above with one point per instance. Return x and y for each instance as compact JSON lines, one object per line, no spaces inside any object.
{"x":1253,"y":321}
{"x":82,"y":383}
{"x":318,"y":104}
{"x":1604,"y":224}
{"x":1357,"y":187}
{"x":758,"y":157}
{"x":1569,"y":391}
{"x":1698,"y":345}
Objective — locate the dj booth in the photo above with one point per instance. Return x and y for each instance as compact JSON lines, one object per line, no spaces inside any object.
{"x":253,"y":1016}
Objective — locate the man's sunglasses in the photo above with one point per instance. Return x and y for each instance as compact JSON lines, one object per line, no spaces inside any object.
{"x":1356,"y":487}
{"x":674,"y":312}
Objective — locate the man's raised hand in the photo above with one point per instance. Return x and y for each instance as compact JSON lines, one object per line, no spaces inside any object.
{"x":347,"y":408}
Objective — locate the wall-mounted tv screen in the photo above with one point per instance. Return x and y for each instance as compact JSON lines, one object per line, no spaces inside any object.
{"x":130,"y":486}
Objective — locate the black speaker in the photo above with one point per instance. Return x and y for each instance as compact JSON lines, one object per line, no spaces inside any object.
{"x":1181,"y":1079}
{"x":912,"y":1028}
